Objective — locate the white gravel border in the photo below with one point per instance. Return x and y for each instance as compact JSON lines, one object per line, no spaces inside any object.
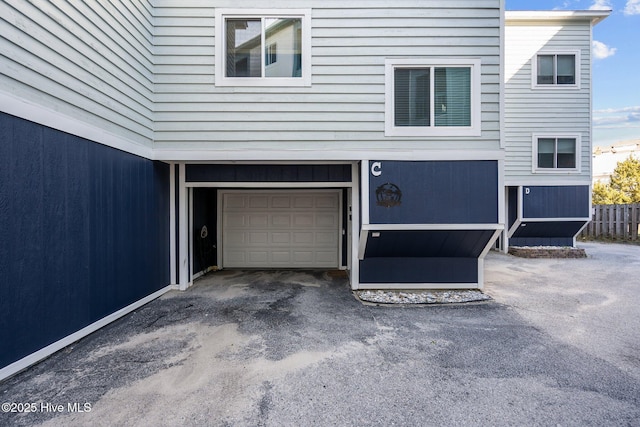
{"x":421,"y":297}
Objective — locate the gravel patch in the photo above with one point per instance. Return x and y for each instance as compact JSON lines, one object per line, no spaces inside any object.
{"x":421,"y":297}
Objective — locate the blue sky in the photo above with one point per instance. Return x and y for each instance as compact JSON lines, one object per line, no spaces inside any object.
{"x":616,"y":65}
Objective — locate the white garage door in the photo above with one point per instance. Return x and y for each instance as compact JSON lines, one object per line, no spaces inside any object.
{"x":280,"y":229}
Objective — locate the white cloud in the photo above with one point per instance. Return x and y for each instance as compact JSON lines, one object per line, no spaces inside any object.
{"x":601,"y":50}
{"x":626,"y":117}
{"x":618,"y":110}
{"x":602,"y":5}
{"x":632,"y":7}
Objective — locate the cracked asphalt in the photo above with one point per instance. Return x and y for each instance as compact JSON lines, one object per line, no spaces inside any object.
{"x":559,"y":344}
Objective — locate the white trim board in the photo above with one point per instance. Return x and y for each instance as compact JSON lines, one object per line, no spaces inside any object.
{"x":44,"y":116}
{"x":47,"y":351}
{"x":334,"y":154}
{"x":421,"y":286}
{"x":263,"y":185}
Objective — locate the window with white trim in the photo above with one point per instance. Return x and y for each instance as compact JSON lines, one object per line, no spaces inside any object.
{"x":267,"y":47}
{"x":556,"y":70}
{"x":556,"y":153}
{"x":432,"y":97}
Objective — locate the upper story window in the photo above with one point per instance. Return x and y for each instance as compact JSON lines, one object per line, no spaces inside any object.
{"x":432,"y":97}
{"x":556,"y":70}
{"x":270,"y":47}
{"x":557,"y":153}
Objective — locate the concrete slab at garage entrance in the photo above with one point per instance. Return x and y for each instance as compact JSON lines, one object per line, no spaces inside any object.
{"x":557,"y":345}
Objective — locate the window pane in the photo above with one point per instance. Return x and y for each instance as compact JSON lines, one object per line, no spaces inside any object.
{"x":546,"y":152}
{"x":452,"y":98}
{"x":244,"y":47}
{"x":566,"y":153}
{"x":412,"y":96}
{"x":283,"y":39}
{"x":566,"y":69}
{"x":545,"y":69}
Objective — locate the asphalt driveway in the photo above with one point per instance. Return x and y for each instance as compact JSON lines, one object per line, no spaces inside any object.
{"x":559,"y":344}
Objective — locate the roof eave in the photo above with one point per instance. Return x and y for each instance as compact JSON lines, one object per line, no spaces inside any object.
{"x":595,"y":16}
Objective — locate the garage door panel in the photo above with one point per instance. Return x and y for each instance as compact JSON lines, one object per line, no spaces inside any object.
{"x":281,"y":257}
{"x":325,"y":257}
{"x":279,"y":202}
{"x":281,"y":238}
{"x":235,"y":201}
{"x":326,"y":239}
{"x":329,"y":221}
{"x":258,"y":238}
{"x":303,"y":202}
{"x":236,"y":238}
{"x":235,"y":221}
{"x":235,"y":257}
{"x":327,"y":202}
{"x":256,"y":202}
{"x":281,"y":229}
{"x":259,"y":220}
{"x":281,"y":220}
{"x":303,"y":220}
{"x":258,"y":257}
{"x":303,"y":238}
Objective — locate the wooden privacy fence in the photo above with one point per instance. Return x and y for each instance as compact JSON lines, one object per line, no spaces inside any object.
{"x":619,"y":222}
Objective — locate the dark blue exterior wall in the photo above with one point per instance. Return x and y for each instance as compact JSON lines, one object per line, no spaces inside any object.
{"x":435,"y":192}
{"x":556,"y":201}
{"x":546,"y":233}
{"x":429,"y":192}
{"x":268,"y":173}
{"x":205,"y":201}
{"x":419,"y":270}
{"x":423,"y":256}
{"x":84,"y":232}
{"x":550,"y":202}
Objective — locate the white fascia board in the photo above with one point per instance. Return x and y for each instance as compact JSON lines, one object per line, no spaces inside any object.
{"x":36,"y":113}
{"x":557,"y":219}
{"x":559,"y":181}
{"x":336,"y":154}
{"x":428,"y":227}
{"x":364,"y":286}
{"x":270,"y":184}
{"x":595,"y":16}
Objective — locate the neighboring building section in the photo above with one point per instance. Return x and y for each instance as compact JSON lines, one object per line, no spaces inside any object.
{"x":547,"y":125}
{"x":605,"y":159}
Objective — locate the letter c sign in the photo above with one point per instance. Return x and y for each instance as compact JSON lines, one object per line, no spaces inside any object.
{"x":376,"y":168}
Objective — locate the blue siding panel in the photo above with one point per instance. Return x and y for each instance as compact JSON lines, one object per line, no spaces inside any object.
{"x":556,"y":201}
{"x":419,"y":270}
{"x":268,"y":173}
{"x":541,"y":241}
{"x":435,"y":192}
{"x":85,"y":232}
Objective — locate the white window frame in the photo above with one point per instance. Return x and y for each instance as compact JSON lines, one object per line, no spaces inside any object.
{"x":555,"y":86}
{"x":556,"y":170}
{"x":220,"y":57}
{"x":392,"y":130}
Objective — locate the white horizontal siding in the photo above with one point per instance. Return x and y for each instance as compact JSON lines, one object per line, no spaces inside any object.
{"x":343,"y":109}
{"x":529,"y":111}
{"x":89,"y":61}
